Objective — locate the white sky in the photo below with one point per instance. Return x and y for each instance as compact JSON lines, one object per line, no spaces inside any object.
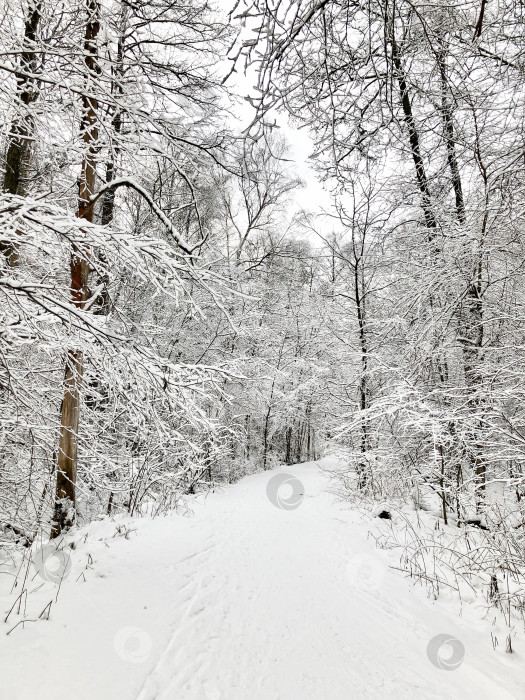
{"x":313,"y":196}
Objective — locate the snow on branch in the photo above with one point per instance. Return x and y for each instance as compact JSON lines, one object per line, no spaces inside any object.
{"x":126,"y":182}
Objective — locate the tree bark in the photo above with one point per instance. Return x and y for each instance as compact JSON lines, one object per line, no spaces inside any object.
{"x":362,"y":468}
{"x":18,"y":156}
{"x":413,"y":137}
{"x":471,"y":321}
{"x":65,"y":501}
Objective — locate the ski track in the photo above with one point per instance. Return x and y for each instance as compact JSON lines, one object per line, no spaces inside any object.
{"x":245,"y":601}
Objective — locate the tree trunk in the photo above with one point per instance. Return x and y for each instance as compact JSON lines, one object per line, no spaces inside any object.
{"x":265,"y":437}
{"x":108,"y":202}
{"x":247,"y":449}
{"x":362,"y":468}
{"x":471,"y":320}
{"x":309,"y":443}
{"x":65,"y":501}
{"x":18,"y":156}
{"x":288,"y":434}
{"x":413,"y":137}
{"x":450,"y":138}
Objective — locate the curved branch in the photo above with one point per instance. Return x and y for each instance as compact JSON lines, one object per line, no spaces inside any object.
{"x":125,"y":182}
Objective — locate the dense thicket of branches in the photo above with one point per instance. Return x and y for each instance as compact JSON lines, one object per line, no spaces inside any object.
{"x":417,"y":114}
{"x":147,"y":276}
{"x":167,"y":322}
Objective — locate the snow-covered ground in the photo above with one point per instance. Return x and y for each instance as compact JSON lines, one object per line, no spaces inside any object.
{"x":263,"y":591}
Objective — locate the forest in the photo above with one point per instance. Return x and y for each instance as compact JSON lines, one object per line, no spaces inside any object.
{"x":173,"y":319}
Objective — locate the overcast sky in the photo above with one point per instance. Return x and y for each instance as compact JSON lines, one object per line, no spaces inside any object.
{"x":313,"y":195}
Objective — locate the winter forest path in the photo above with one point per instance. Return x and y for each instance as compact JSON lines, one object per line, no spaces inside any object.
{"x":243,"y":600}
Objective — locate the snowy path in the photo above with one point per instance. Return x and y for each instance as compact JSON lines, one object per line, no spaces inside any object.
{"x":246,"y":601}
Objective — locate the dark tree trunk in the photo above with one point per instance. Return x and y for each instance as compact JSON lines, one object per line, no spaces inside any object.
{"x":362,"y":468}
{"x":288,"y":441}
{"x":413,"y":137}
{"x":18,"y":156}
